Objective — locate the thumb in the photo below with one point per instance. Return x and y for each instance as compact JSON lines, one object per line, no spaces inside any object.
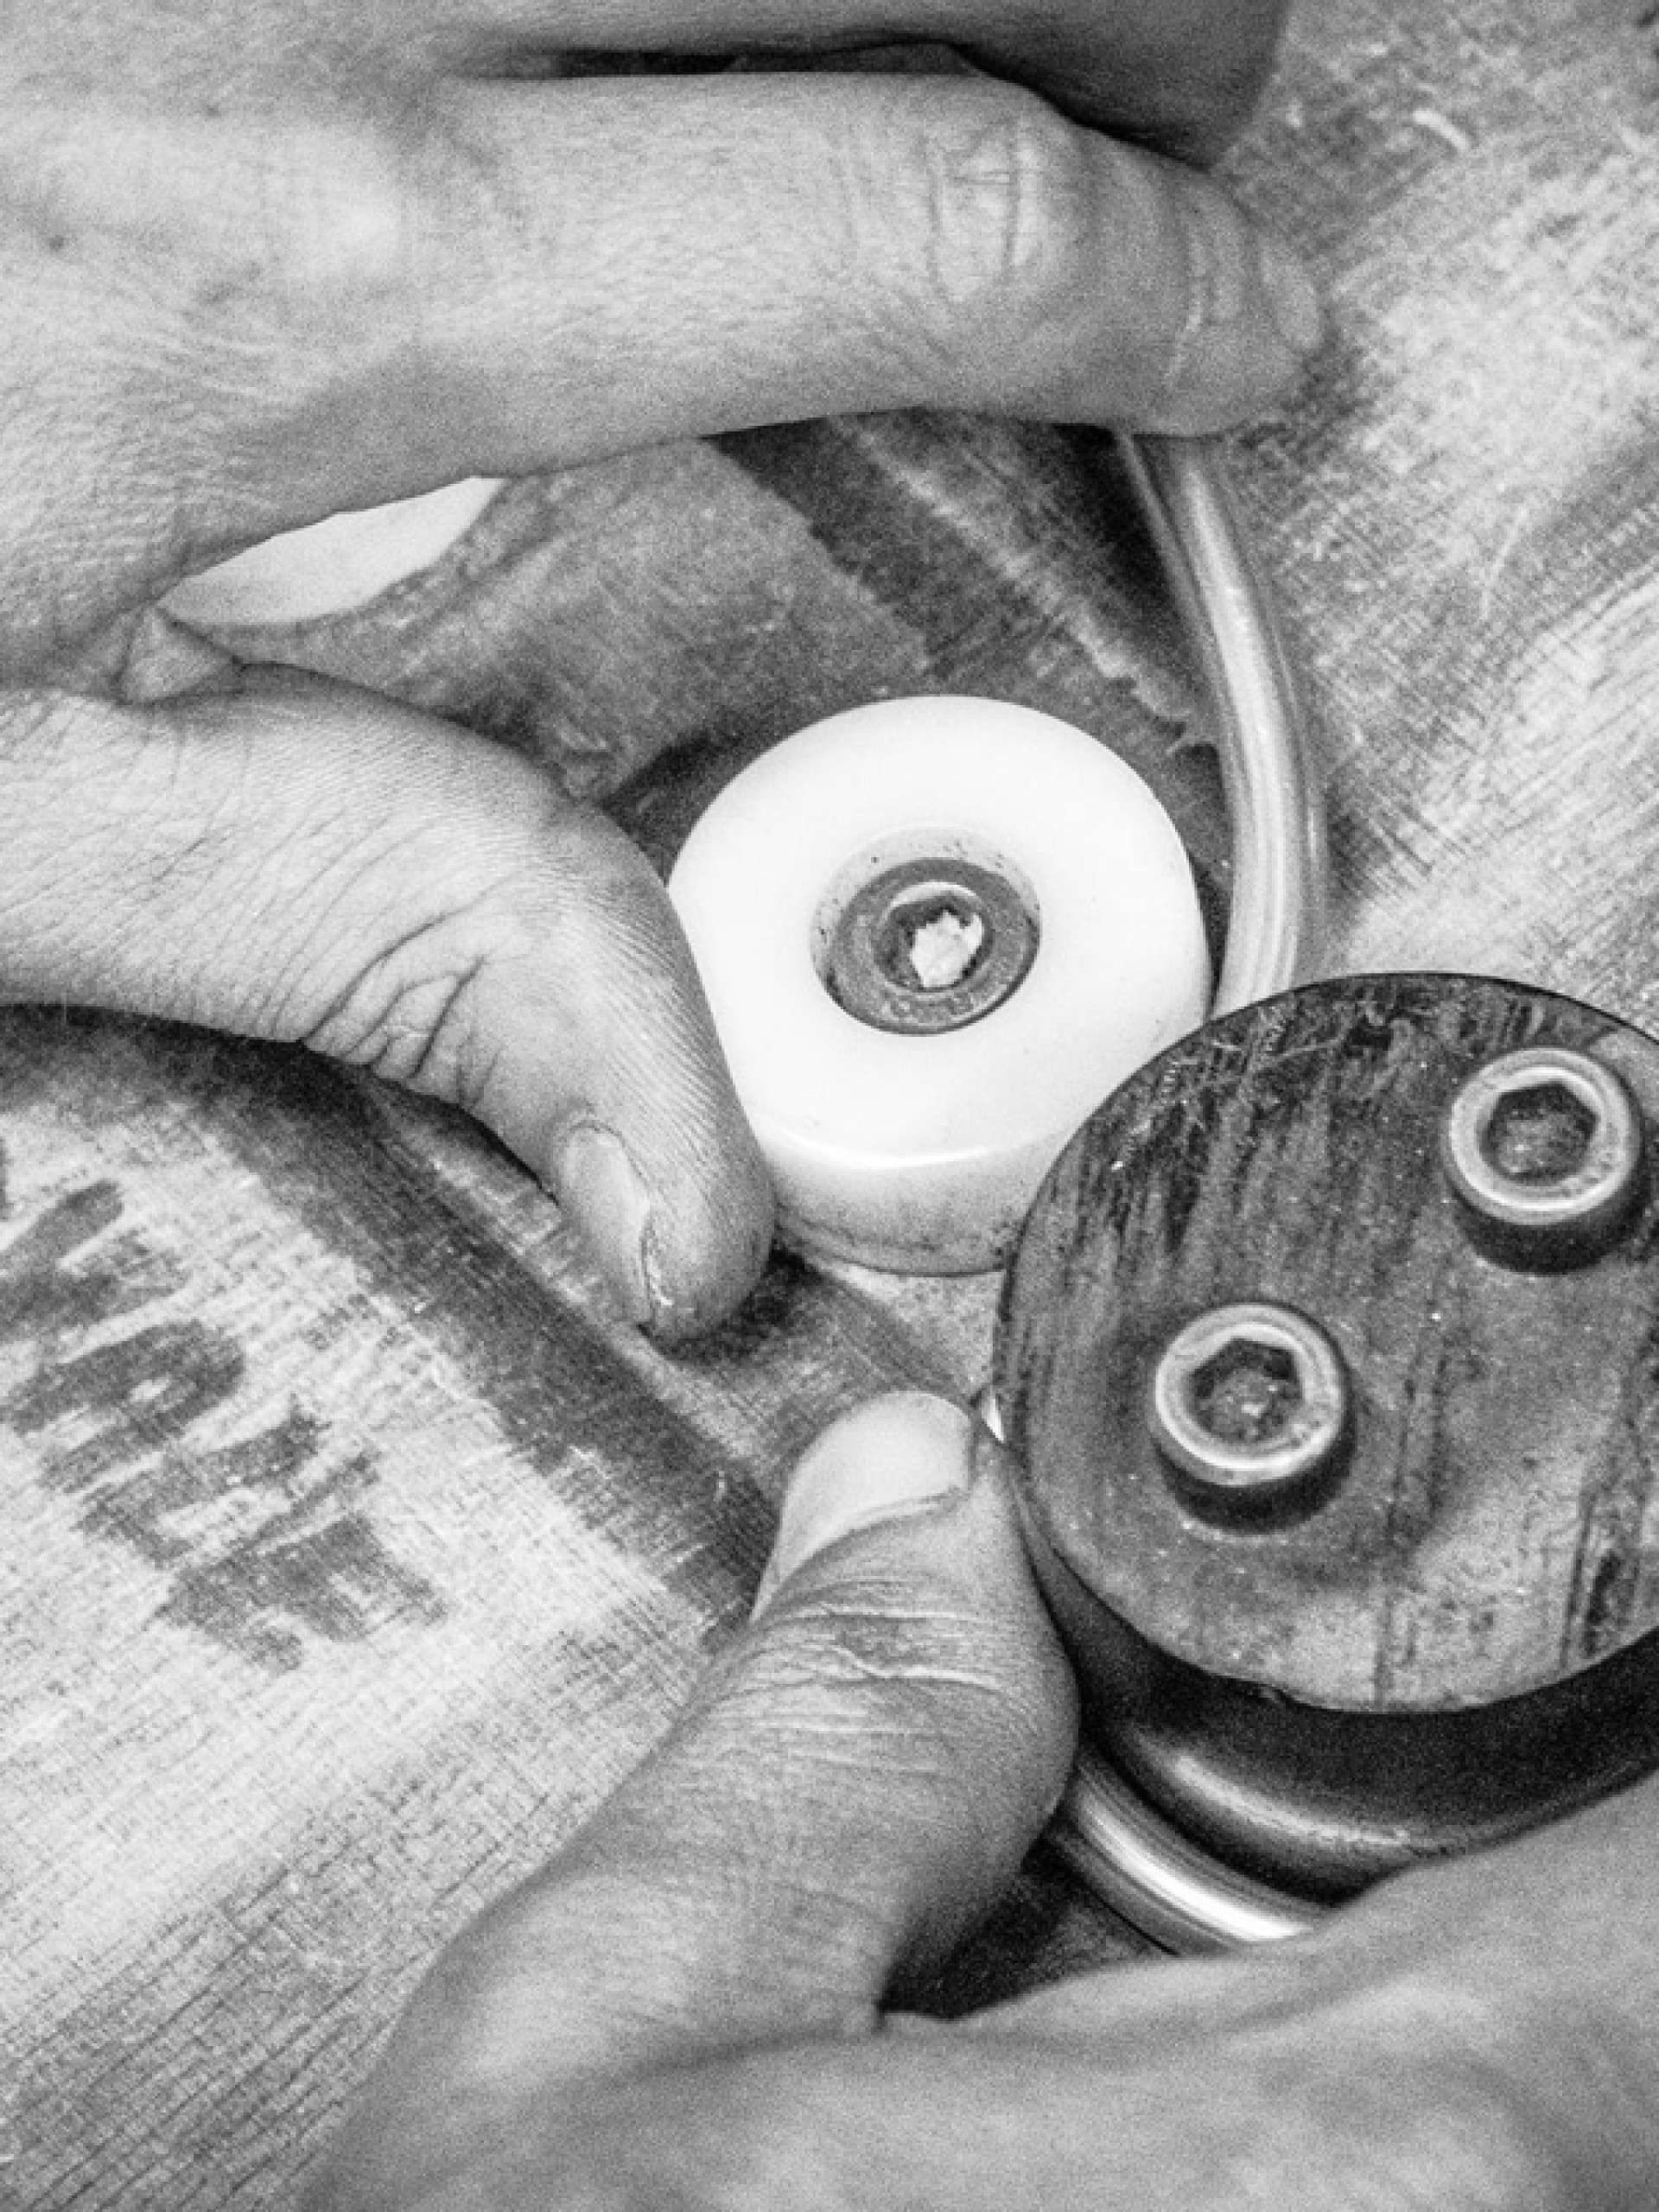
{"x":304,"y":862}
{"x":855,"y":1785}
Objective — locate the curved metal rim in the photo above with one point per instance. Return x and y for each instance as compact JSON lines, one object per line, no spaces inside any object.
{"x":1148,"y":1870}
{"x":1277,"y":912}
{"x":1599,"y":1186}
{"x":1137,"y":1861}
{"x":1153,"y":1876}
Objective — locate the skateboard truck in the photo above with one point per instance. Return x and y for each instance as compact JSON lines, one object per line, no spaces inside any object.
{"x":1329,"y":1356}
{"x":1325,"y":1346}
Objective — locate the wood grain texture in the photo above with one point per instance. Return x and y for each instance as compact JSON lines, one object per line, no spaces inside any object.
{"x":352,"y":1551}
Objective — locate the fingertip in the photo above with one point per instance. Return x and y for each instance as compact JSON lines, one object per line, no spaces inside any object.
{"x":673,"y":1267}
{"x":899,"y":1556}
{"x":605,"y":1197}
{"x":1235,"y":317}
{"x":1293,"y":296}
{"x":891,"y":1457}
{"x":608,"y":1078}
{"x":710,"y":1245}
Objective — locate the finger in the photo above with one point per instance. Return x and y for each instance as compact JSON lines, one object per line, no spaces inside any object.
{"x":762,"y":249}
{"x":300,"y":861}
{"x":1181,"y":75}
{"x":1344,"y":2110}
{"x":1391,"y":2095}
{"x":1510,"y":1933}
{"x":855,"y":1785}
{"x":1391,"y":2061}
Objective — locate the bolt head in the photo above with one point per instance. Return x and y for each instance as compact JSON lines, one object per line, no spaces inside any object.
{"x":1249,"y":1406}
{"x":930,"y":944}
{"x":1545,"y":1149}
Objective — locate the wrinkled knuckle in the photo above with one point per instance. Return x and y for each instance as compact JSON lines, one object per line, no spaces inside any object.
{"x":419,"y":1003}
{"x":833,"y":1654}
{"x":874,"y":1628}
{"x":413,"y":1013}
{"x":344,"y":223}
{"x":1012,"y":203}
{"x":300,"y":275}
{"x":936,"y":1675}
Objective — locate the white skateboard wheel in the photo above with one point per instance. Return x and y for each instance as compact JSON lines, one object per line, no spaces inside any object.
{"x":331,"y":567}
{"x":935,"y":933}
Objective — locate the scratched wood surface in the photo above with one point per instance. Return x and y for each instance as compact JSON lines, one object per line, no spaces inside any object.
{"x":351,"y":1551}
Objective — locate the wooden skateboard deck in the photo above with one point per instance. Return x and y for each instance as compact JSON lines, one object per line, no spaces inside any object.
{"x":352,"y":1550}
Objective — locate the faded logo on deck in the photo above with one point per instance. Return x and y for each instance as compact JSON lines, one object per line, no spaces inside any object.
{"x":265,"y":1540}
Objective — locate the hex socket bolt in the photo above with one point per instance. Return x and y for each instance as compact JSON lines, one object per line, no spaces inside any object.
{"x":1545,"y":1147}
{"x":1250,"y":1407}
{"x":872,"y":967}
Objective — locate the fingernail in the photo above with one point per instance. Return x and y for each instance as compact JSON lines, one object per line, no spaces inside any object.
{"x":1253,"y":315}
{"x":1292,"y":295}
{"x":897,"y":1457}
{"x":603,"y":1194}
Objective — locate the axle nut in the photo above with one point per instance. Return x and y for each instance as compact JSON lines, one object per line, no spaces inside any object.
{"x":1249,"y":1405}
{"x":929,"y":946}
{"x":1544,"y":1147}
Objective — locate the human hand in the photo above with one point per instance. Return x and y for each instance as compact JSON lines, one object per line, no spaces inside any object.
{"x":267,"y":262}
{"x":684,"y":2008}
